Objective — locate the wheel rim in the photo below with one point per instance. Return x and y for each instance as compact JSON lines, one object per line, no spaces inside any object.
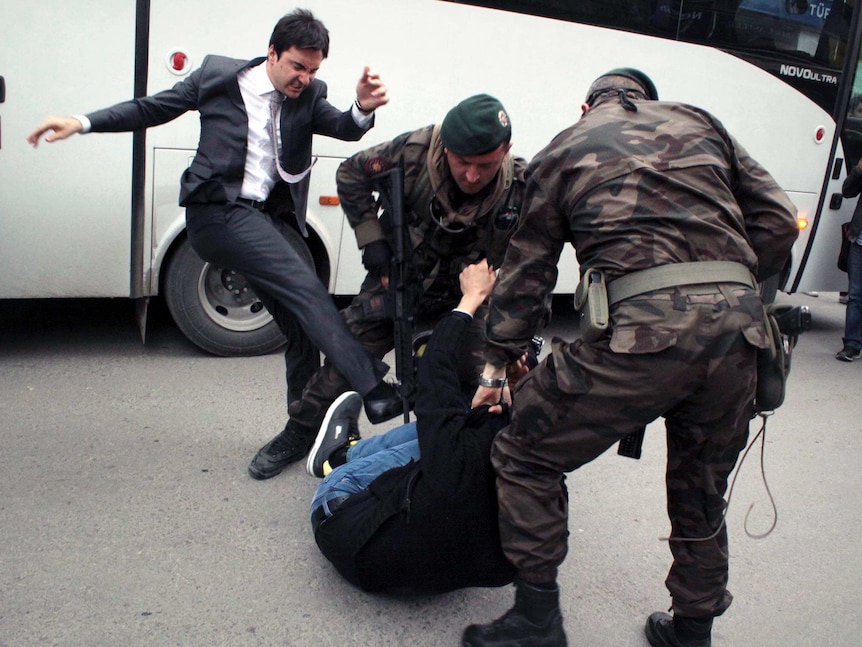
{"x":228,"y":299}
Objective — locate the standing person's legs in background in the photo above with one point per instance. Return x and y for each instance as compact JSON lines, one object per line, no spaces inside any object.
{"x":853,"y":318}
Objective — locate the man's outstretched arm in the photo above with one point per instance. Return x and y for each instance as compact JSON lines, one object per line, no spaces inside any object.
{"x":57,"y":128}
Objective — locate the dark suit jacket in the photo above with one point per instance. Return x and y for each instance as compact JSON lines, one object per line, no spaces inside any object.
{"x":216,"y":173}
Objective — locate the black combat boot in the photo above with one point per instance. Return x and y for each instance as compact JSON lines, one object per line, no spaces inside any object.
{"x":534,"y":621}
{"x":662,"y":630}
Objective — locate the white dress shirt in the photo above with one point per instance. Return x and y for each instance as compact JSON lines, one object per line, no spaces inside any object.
{"x":260,"y":173}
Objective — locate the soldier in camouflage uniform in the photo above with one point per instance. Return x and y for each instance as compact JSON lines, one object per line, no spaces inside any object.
{"x":635,"y":184}
{"x":462,"y":196}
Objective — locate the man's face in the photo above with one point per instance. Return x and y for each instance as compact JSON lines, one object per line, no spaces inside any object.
{"x":472,"y":173}
{"x":291,"y":72}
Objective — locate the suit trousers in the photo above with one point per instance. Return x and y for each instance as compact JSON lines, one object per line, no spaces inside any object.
{"x":236,"y":236}
{"x":372,"y":324}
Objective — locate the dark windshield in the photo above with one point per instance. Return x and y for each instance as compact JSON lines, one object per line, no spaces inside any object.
{"x":803,"y":43}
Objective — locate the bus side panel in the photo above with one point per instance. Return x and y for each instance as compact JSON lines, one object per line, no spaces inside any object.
{"x":168,"y":219}
{"x":421,"y":77}
{"x":65,"y":208}
{"x":820,"y":272}
{"x":425,"y":79}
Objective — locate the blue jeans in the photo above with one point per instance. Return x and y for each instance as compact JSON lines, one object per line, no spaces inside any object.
{"x":366,"y":460}
{"x":853,"y":320}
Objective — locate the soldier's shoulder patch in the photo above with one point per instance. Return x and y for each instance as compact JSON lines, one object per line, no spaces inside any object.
{"x":377,"y":165}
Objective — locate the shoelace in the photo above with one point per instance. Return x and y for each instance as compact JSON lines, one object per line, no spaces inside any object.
{"x":287,"y":440}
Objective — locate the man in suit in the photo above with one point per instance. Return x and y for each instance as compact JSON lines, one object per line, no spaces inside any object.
{"x":239,"y":193}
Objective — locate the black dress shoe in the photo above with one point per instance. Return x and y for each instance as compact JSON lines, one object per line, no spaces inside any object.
{"x":288,"y":447}
{"x":383,"y":403}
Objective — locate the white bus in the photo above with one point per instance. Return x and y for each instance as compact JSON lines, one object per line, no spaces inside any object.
{"x":781,"y":74}
{"x":97,"y":216}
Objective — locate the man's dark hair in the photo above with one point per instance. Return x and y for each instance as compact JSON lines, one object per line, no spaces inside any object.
{"x":302,"y":30}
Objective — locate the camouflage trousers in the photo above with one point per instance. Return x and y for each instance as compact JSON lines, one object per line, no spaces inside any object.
{"x":585,"y":397}
{"x":370,"y":320}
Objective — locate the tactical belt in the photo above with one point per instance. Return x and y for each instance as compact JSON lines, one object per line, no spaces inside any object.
{"x":667,"y":276}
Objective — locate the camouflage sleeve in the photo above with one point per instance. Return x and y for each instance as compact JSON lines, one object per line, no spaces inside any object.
{"x":769,"y":215}
{"x":520,"y":302}
{"x":355,"y":187}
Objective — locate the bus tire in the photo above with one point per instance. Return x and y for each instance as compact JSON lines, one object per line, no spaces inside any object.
{"x":216,"y":309}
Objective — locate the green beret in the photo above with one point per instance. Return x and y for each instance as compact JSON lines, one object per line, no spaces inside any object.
{"x":476,"y":126}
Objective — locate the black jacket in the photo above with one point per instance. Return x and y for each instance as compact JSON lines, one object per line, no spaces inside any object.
{"x":851,"y":188}
{"x":430,"y":526}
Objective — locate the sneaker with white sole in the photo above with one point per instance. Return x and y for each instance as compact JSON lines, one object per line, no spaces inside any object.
{"x":340,"y":428}
{"x":848,"y":354}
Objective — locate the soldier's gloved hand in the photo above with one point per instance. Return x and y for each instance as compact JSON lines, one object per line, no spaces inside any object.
{"x":376,"y":257}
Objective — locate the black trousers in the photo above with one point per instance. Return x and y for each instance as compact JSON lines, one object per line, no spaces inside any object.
{"x":239,"y":237}
{"x":342,"y":536}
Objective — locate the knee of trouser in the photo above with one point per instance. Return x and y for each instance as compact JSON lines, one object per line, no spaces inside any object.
{"x":370,"y":308}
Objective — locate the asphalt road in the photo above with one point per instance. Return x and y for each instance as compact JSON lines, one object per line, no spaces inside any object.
{"x":127,"y":516}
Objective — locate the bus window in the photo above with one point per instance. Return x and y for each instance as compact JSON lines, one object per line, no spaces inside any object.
{"x":803,"y":43}
{"x":787,"y":26}
{"x":832,"y":45}
{"x":695,"y":21}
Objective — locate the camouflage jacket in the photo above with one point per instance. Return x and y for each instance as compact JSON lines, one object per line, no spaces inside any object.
{"x":633,"y":190}
{"x":487,"y":220}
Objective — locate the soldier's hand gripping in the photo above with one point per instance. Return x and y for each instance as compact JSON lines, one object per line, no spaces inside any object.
{"x":376,"y":257}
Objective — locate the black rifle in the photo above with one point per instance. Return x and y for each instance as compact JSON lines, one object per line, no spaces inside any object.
{"x":402,"y":282}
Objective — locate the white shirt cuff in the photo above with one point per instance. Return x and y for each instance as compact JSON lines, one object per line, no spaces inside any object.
{"x":362,"y":120}
{"x":84,"y":122}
